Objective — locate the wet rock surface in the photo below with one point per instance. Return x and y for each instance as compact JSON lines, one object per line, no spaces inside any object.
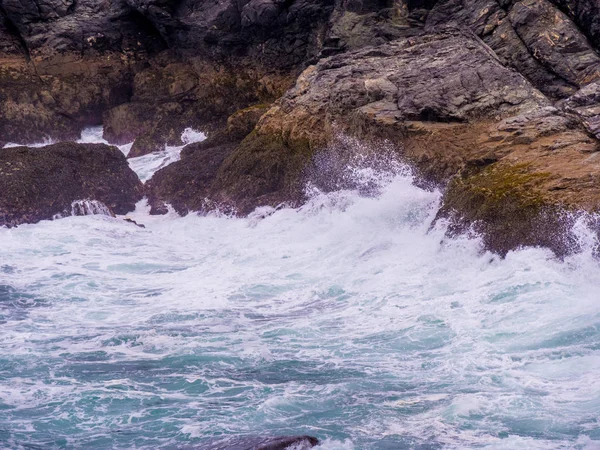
{"x":406,"y":90}
{"x":467,"y":90}
{"x":190,"y":184}
{"x":456,"y":113}
{"x":265,"y":443}
{"x":39,"y":183}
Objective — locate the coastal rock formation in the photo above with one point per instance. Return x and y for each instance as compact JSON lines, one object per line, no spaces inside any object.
{"x":63,"y":65}
{"x":424,"y":93}
{"x":515,"y":161}
{"x":469,"y":92}
{"x":188,"y":184}
{"x":170,"y":97}
{"x":39,"y":183}
{"x":67,"y":62}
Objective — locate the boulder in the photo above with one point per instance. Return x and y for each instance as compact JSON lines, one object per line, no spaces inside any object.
{"x":555,"y":41}
{"x":586,"y":14}
{"x":40,"y":183}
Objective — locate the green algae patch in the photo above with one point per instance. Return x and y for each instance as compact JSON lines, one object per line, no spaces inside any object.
{"x":264,"y":169}
{"x":517,"y":186}
{"x":509,"y":207}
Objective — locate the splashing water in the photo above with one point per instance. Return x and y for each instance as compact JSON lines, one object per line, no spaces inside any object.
{"x":145,"y":166}
{"x":350,"y":319}
{"x":43,"y":143}
{"x":89,"y":208}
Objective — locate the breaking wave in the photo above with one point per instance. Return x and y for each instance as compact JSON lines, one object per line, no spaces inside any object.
{"x":353,"y":318}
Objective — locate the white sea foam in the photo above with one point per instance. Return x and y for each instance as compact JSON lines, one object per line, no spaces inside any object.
{"x":145,"y":166}
{"x":350,"y":318}
{"x":42,"y":143}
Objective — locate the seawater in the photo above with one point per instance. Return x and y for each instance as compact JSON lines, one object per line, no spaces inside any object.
{"x":352,"y":318}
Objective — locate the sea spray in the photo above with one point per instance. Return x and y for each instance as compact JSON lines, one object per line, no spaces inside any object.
{"x":351,"y":318}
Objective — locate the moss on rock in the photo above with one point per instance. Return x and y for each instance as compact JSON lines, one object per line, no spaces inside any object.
{"x":509,"y":207}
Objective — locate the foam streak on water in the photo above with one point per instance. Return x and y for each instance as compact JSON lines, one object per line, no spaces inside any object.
{"x":349,"y":319}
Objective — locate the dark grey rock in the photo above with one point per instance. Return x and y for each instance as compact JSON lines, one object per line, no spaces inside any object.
{"x":264,"y":443}
{"x":39,"y":183}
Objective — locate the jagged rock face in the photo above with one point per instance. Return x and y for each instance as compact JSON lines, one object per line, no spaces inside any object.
{"x":83,"y":27}
{"x":269,"y":32}
{"x":534,"y":36}
{"x":10,"y":43}
{"x":69,"y":62}
{"x":64,"y":64}
{"x":38,"y":183}
{"x":173,"y":96}
{"x":473,"y":90}
{"x":456,"y":113}
{"x":445,"y":78}
{"x":586,"y":14}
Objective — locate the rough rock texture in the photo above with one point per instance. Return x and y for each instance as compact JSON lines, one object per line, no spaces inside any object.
{"x":64,"y":63}
{"x":418,"y":91}
{"x":188,"y":184}
{"x":38,"y":183}
{"x":527,"y":173}
{"x":495,"y":99}
{"x":169,"y":97}
{"x":515,"y":161}
{"x":67,"y":62}
{"x":533,"y":36}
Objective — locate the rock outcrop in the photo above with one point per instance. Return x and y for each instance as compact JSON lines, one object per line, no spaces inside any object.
{"x":425,"y":93}
{"x":188,"y":184}
{"x":515,"y":161}
{"x":495,"y":100}
{"x":66,"y":63}
{"x":40,"y":183}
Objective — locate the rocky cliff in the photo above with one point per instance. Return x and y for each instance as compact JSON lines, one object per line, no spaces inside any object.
{"x":496,"y":100}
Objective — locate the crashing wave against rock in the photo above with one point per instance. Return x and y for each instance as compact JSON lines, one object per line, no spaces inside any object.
{"x":497,"y":100}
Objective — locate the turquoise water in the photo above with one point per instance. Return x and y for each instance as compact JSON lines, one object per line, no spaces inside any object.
{"x":349,"y":319}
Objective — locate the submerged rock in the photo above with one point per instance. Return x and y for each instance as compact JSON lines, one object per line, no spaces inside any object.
{"x":40,"y":183}
{"x":262,"y":443}
{"x":129,"y":220}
